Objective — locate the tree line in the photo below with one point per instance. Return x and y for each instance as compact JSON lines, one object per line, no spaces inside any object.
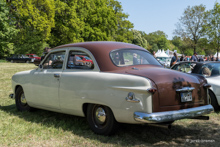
{"x":29,"y":26}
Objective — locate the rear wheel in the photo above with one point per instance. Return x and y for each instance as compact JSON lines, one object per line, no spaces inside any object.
{"x":101,"y":119}
{"x":20,"y":100}
{"x":12,"y":61}
{"x":27,"y":61}
{"x":213,"y":101}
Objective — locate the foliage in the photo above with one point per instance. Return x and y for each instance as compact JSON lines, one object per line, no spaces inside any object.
{"x":34,"y":19}
{"x":7,"y":31}
{"x":139,"y":39}
{"x":157,"y":40}
{"x":191,"y":24}
{"x":123,"y":32}
{"x":213,"y":26}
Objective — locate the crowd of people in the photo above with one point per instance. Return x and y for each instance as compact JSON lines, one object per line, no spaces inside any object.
{"x":194,"y":57}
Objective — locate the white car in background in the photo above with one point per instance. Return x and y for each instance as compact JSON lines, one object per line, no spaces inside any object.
{"x":211,"y":70}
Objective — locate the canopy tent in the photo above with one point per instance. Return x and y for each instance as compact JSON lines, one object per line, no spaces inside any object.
{"x":216,"y":54}
{"x":170,"y":53}
{"x":158,"y":53}
{"x":162,"y":54}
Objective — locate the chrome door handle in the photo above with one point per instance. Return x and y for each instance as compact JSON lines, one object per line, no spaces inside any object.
{"x":56,"y":75}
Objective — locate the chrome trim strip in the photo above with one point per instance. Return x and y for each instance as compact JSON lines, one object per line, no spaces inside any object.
{"x":167,"y":116}
{"x":185,"y":89}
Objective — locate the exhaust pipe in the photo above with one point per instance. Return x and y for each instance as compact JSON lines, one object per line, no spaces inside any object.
{"x":201,"y":117}
{"x":11,"y":96}
{"x":162,"y":125}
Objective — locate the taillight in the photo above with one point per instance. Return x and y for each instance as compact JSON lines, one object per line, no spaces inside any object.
{"x":152,"y":90}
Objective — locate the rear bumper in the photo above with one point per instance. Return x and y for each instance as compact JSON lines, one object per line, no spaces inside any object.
{"x":169,"y":116}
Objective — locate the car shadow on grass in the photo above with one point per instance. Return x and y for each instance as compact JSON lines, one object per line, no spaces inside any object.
{"x":184,"y":132}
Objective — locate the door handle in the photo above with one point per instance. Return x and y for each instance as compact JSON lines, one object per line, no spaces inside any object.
{"x":56,"y":75}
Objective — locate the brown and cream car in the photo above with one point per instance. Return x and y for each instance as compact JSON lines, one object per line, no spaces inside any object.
{"x":124,"y":84}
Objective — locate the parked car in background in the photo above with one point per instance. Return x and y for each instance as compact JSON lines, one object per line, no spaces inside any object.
{"x":19,"y":58}
{"x":164,"y":61}
{"x":211,"y":70}
{"x":86,"y":59}
{"x":34,"y":56}
{"x":111,"y":91}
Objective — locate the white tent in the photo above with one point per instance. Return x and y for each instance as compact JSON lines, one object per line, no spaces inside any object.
{"x":170,"y":53}
{"x":216,"y":54}
{"x":158,"y":53}
{"x":162,"y":54}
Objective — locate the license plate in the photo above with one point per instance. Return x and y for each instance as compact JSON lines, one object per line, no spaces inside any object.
{"x":186,"y":96}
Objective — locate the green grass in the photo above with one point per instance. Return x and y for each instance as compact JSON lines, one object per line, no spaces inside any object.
{"x":2,"y":61}
{"x":45,"y":128}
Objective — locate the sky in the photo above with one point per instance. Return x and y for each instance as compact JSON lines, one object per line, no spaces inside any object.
{"x":153,"y":15}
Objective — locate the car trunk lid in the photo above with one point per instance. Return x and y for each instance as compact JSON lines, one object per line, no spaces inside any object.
{"x":170,"y":85}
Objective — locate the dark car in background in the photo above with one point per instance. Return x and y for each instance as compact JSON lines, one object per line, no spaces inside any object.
{"x":211,"y":71}
{"x":19,"y":58}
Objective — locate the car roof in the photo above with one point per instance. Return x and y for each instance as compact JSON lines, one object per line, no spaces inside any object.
{"x":101,"y":50}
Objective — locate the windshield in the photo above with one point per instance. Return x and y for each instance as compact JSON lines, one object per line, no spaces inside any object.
{"x":126,"y":57}
{"x":211,"y":69}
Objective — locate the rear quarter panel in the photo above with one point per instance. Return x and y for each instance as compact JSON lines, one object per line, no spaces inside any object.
{"x":110,"y":89}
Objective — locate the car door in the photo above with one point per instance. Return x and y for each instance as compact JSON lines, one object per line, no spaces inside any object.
{"x":77,"y":81}
{"x":46,"y":80}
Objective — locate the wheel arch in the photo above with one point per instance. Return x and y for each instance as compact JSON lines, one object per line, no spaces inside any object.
{"x":211,"y":90}
{"x":16,"y":87}
{"x":85,"y":107}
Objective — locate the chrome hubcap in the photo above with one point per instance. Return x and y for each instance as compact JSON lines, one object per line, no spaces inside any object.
{"x":23,"y":99}
{"x":100,"y":115}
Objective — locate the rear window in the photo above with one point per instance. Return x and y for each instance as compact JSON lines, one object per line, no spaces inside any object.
{"x":127,"y":57}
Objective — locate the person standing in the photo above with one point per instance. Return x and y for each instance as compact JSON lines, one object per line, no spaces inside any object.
{"x":174,"y":59}
{"x":182,"y":58}
{"x":154,"y":54}
{"x":194,"y":57}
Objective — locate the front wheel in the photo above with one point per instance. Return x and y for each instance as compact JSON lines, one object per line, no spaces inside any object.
{"x":213,"y":101}
{"x":101,"y":119}
{"x":20,"y":100}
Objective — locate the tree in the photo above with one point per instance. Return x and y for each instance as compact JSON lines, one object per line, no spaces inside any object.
{"x":34,"y":19}
{"x":191,"y":24}
{"x":157,"y":40}
{"x":7,"y":31}
{"x":139,"y":39}
{"x":213,"y":26}
{"x":123,"y":32}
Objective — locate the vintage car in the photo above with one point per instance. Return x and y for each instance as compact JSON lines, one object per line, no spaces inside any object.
{"x":111,"y":91}
{"x":34,"y":56}
{"x":19,"y":58}
{"x":211,"y":70}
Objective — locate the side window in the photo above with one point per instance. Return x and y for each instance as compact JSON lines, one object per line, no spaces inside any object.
{"x":54,"y":60}
{"x":79,"y":60}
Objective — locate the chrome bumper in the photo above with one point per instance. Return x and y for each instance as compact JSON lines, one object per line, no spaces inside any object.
{"x":168,"y":116}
